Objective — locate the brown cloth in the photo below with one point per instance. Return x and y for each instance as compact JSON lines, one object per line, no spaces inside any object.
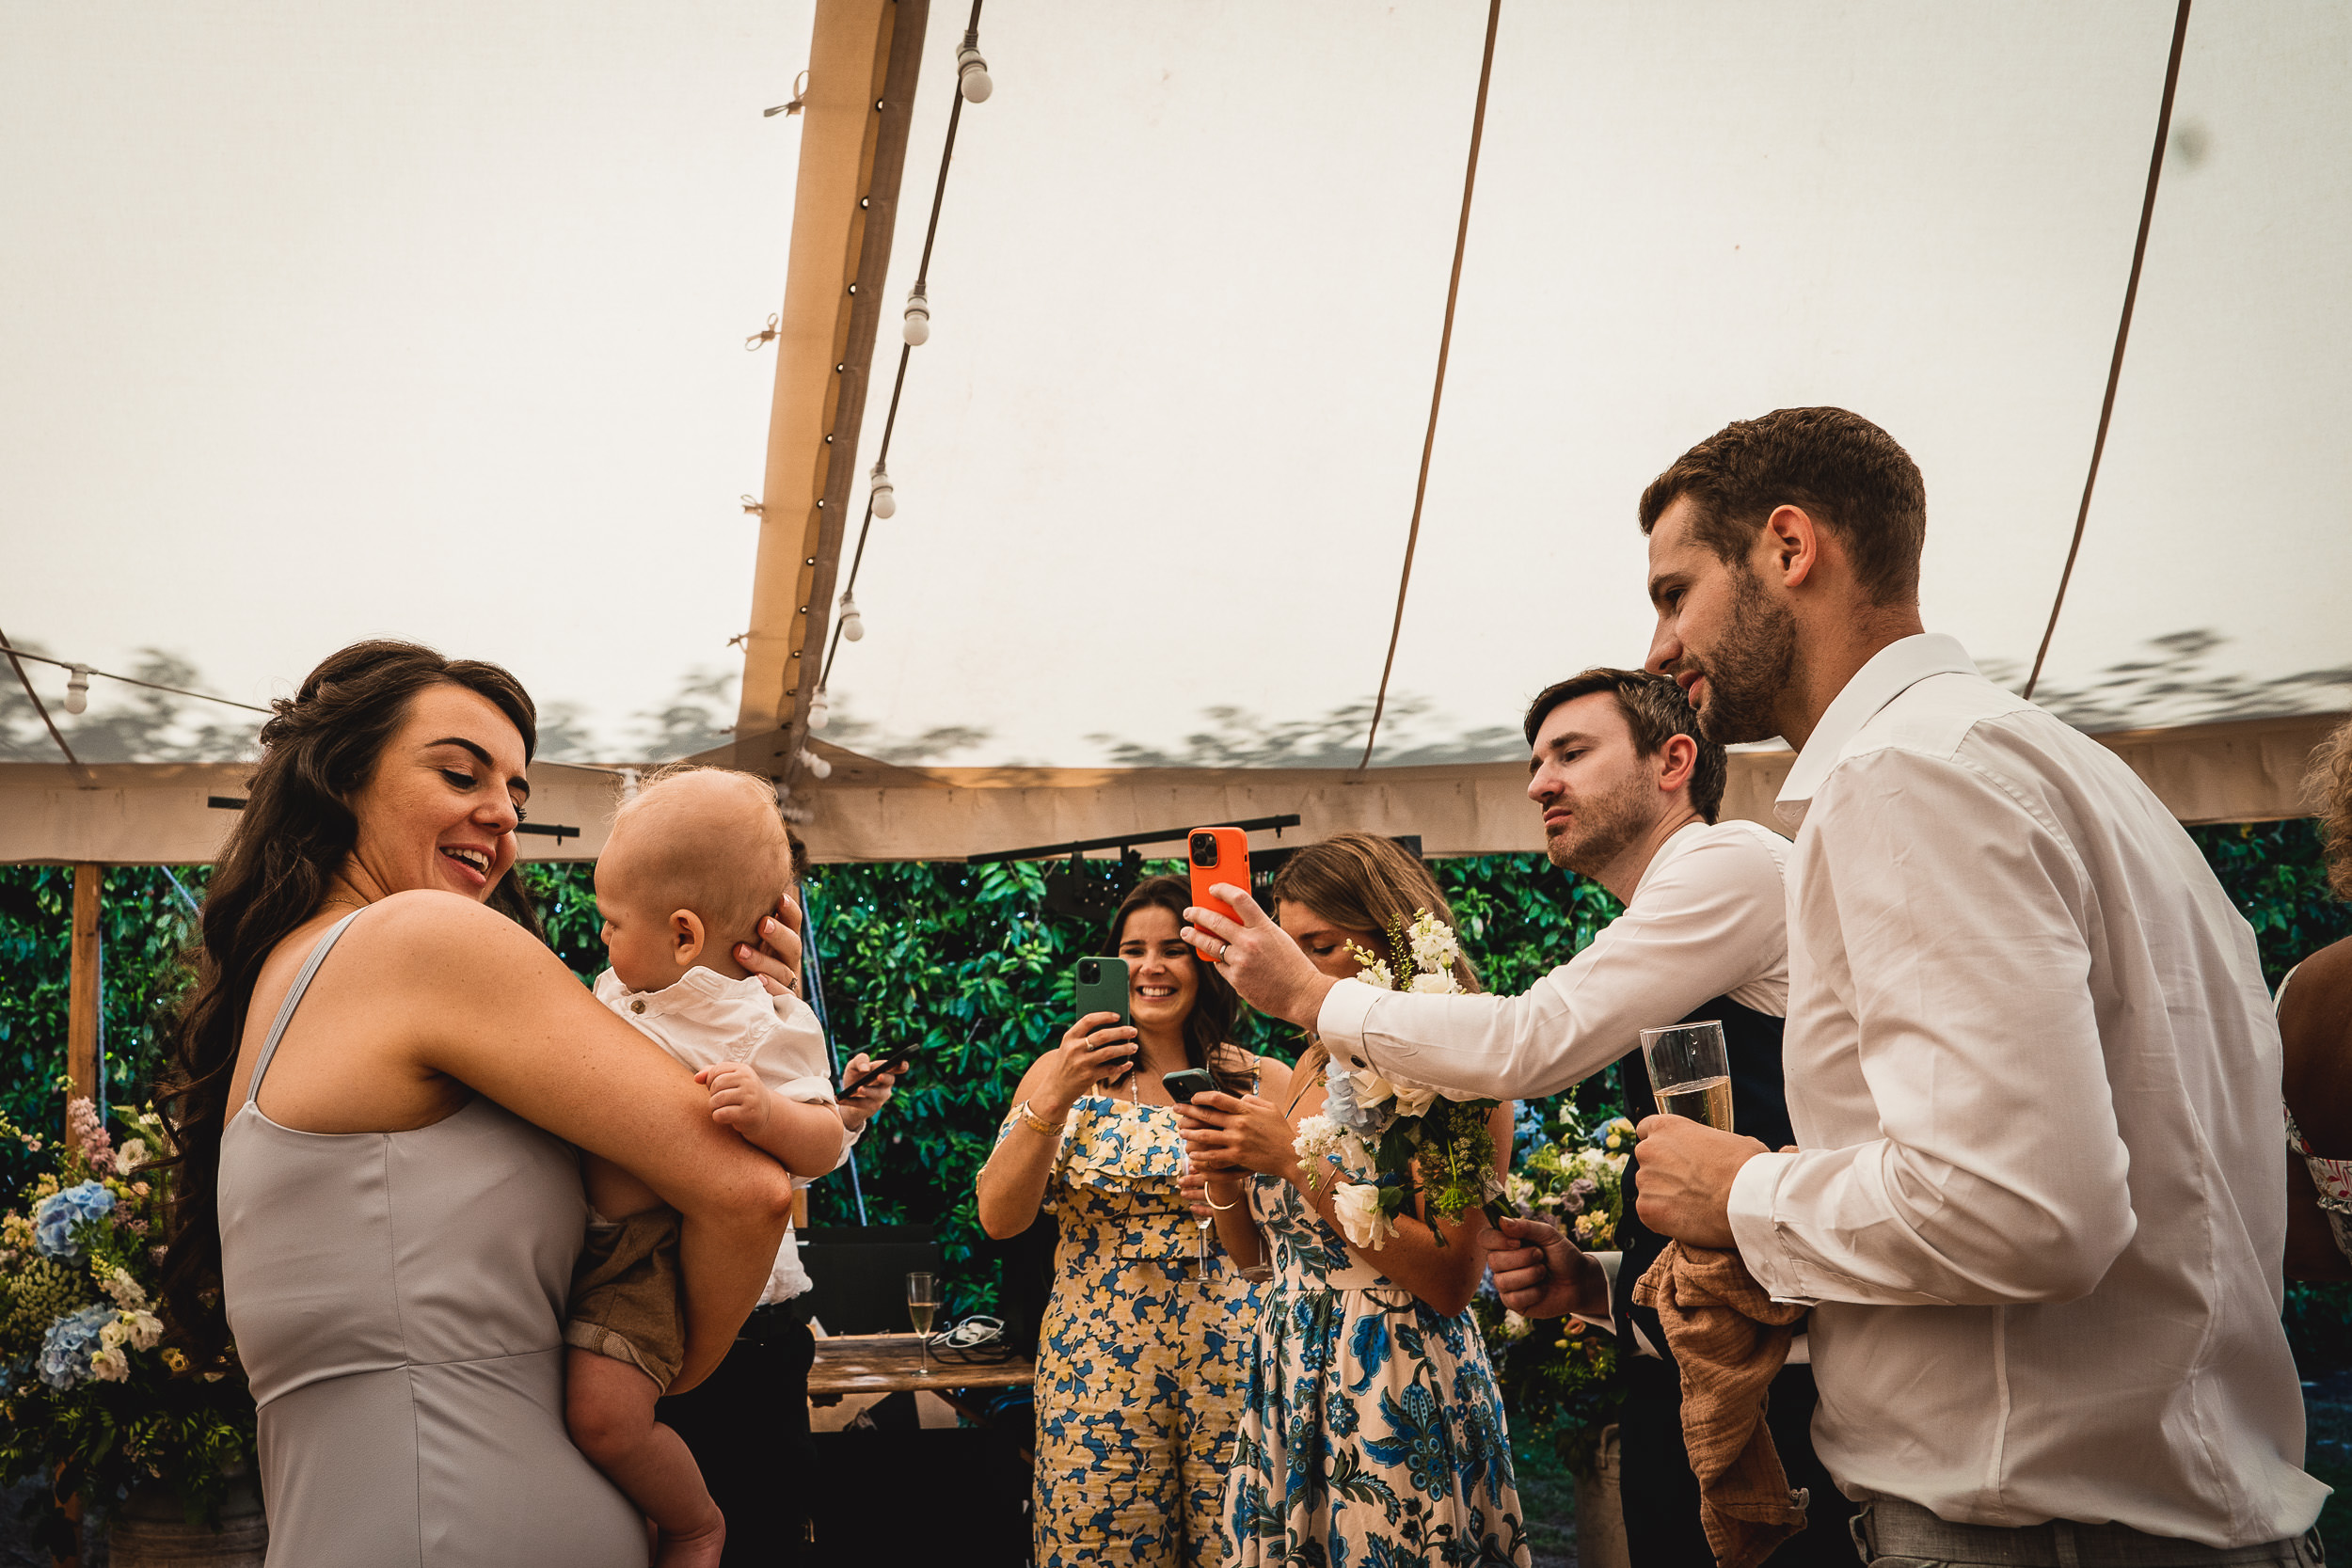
{"x":626,"y":1295}
{"x":1730,"y":1340}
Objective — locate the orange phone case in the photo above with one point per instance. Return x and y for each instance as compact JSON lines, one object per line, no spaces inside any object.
{"x":1232,"y":867}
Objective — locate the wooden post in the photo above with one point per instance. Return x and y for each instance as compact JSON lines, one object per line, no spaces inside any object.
{"x":81,"y":1034}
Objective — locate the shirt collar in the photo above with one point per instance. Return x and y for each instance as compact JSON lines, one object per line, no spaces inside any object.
{"x":1892,"y":671}
{"x":694,"y":990}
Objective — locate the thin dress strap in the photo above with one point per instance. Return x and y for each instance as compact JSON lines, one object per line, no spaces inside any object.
{"x":293,"y":998}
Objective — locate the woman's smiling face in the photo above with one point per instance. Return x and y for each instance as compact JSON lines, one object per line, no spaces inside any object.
{"x":1161,"y":979}
{"x":440,"y":809}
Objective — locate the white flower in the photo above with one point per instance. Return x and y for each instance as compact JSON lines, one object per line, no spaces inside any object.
{"x":131,"y":1156}
{"x":1514,"y":1326}
{"x":1433,"y":943}
{"x":125,"y":1291}
{"x":1377,"y":976}
{"x":1413,"y":1099}
{"x":1436,"y":982}
{"x":110,"y":1366}
{"x":1356,"y":1207}
{"x":1370,"y":1088}
{"x":1322,"y":1143}
{"x":147,"y":1330}
{"x":114,"y":1334}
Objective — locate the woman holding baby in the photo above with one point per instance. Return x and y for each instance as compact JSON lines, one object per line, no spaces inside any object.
{"x":1139,"y":1350}
{"x":384,"y":1076}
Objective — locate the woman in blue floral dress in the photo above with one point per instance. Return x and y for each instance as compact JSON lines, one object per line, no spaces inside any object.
{"x":1138,"y":1380}
{"x":1371,"y":1434}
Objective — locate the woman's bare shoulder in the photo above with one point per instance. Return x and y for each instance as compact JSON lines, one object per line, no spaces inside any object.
{"x":2315,"y":1027}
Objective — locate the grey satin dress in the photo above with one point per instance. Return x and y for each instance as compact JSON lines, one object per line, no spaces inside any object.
{"x":397,"y":1299}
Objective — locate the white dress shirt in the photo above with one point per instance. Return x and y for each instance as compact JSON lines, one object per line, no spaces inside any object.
{"x":2034,"y":1079}
{"x":706,"y":1018}
{"x":1708,"y":919}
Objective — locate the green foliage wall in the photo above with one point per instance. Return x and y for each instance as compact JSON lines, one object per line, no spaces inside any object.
{"x":961,"y":958}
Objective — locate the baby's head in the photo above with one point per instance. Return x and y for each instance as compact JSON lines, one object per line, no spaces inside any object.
{"x":693,"y":862}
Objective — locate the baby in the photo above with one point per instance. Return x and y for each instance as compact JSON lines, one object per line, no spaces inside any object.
{"x":694,"y":864}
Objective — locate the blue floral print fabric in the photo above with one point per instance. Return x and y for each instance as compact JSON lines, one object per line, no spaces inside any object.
{"x":1372,"y":1432}
{"x":1139,"y":1374}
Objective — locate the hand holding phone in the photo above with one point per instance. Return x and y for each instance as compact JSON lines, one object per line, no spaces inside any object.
{"x":895,"y":1062}
{"x":1183,"y":1086}
{"x":1218,"y":855}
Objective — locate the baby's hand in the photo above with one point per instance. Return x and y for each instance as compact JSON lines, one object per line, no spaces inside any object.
{"x":737,"y":1099}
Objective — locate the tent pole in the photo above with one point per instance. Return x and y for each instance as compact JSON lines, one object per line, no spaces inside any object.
{"x":81,"y":1035}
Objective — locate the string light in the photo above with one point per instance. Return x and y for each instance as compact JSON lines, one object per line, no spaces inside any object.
{"x":885,"y":494}
{"x":820,"y":710}
{"x":852,"y":624}
{"x":77,"y":690}
{"x":972,"y":71}
{"x":918,"y":326}
{"x":817,"y":765}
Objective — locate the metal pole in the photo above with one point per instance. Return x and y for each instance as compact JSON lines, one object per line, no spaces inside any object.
{"x":812,"y":972}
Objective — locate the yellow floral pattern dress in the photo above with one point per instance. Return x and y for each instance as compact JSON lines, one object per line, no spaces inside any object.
{"x":1139,"y":1353}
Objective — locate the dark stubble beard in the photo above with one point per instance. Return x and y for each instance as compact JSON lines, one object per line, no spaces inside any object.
{"x":1755,"y":663}
{"x":1605,"y":825}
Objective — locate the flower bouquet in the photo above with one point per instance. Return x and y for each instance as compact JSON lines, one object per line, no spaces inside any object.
{"x":1376,"y":1133}
{"x":1562,"y":1375}
{"x":90,"y":1400}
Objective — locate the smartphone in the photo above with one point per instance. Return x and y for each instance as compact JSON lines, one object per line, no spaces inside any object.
{"x":897,"y":1061}
{"x":1102,"y":989}
{"x":1183,"y":1086}
{"x":1218,"y":855}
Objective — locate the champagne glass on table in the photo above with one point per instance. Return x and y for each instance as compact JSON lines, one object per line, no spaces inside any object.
{"x":1690,"y":1071}
{"x":923,"y":1298}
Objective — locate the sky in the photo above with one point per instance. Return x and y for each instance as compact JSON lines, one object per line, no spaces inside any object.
{"x":427,"y":321}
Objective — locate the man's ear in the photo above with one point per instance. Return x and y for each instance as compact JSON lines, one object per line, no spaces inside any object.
{"x":1793,"y":544}
{"x":686,"y":936}
{"x":1676,"y":761}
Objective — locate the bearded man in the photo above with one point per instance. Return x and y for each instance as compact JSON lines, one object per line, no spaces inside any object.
{"x":1630,"y":791}
{"x":2038,"y":1205}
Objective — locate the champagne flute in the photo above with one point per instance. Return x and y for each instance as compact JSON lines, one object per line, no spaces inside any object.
{"x":1690,"y":1071}
{"x":923,"y":1299}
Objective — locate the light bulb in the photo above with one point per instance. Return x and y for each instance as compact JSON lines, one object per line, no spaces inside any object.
{"x":918,"y":326}
{"x":820,"y":710}
{"x":629,"y":783}
{"x":817,"y":767}
{"x":886,"y":495}
{"x":973,"y":72}
{"x":852,"y":624}
{"x":77,"y":690}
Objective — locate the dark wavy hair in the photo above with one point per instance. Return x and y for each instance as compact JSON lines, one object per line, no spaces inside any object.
{"x":318,"y":748}
{"x":1209,"y":1027}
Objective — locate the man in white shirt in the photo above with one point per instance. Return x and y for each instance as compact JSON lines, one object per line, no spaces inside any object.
{"x":1629,"y":792}
{"x":2031,"y":1064}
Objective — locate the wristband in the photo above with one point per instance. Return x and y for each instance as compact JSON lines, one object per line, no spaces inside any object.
{"x":1037,"y":1123}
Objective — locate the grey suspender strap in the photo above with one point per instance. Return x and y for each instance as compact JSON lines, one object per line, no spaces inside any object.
{"x":293,"y":998}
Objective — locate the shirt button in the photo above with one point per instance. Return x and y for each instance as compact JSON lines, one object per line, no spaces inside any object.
{"x":638,"y":1006}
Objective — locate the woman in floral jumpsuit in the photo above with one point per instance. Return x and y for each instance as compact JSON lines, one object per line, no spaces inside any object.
{"x":1139,"y":1380}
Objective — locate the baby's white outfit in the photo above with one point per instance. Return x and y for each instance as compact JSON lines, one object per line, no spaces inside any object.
{"x":706,"y":1019}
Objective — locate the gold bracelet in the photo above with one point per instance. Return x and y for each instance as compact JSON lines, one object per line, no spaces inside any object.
{"x":1037,"y":1123}
{"x":1220,"y":1208}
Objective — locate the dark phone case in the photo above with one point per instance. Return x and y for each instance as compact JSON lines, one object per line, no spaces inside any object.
{"x":1231,"y":867}
{"x":1185,"y":1083}
{"x":1109,"y":994}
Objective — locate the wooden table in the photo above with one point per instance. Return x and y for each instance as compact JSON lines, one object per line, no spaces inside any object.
{"x":885,"y":1363}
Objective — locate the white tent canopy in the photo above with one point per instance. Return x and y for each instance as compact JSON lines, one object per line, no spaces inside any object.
{"x":1154,"y":466}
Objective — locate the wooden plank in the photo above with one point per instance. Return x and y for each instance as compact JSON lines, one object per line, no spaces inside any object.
{"x":863,"y":62}
{"x":885,"y":1363}
{"x":80,"y":1033}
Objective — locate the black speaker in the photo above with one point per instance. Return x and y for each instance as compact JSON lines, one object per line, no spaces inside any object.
{"x":858,"y":1274}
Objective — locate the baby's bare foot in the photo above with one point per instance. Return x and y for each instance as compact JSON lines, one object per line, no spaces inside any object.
{"x":700,"y":1547}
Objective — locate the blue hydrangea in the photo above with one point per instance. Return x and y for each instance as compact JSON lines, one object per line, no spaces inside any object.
{"x":58,"y":1213}
{"x":1340,"y":1105}
{"x":66,"y":1350}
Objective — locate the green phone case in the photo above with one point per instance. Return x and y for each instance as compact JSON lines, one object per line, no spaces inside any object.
{"x":1107,"y":992}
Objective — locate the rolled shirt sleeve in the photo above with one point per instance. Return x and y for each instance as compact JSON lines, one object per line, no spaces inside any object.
{"x":1940,"y":923}
{"x":1706,"y":921}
